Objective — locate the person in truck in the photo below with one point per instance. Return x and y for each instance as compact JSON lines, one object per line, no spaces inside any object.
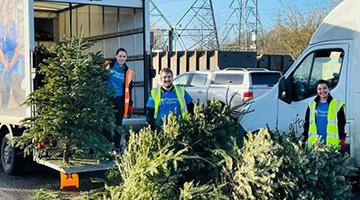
{"x":166,"y":99}
{"x":325,"y":118}
{"x":120,"y":80}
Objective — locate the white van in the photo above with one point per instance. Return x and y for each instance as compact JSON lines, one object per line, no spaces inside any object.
{"x":332,"y":54}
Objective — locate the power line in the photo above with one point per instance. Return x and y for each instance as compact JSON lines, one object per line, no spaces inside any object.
{"x":160,"y":28}
{"x":196,"y":29}
{"x":242,"y":25}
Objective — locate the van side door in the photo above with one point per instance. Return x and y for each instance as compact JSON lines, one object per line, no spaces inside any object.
{"x":298,"y":87}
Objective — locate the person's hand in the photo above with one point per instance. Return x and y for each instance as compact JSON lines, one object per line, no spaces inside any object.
{"x":7,"y":66}
{"x":131,"y":110}
{"x":107,"y":64}
{"x":342,"y":143}
{"x":16,"y":77}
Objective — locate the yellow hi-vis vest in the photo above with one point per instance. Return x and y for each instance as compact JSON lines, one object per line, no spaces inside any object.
{"x":180,"y":93}
{"x":332,"y":131}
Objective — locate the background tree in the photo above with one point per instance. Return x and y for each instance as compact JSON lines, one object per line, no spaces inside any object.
{"x":291,"y":32}
{"x":72,"y":106}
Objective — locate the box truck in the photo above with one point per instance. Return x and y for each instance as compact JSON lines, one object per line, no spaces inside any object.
{"x":26,"y":24}
{"x":332,"y":55}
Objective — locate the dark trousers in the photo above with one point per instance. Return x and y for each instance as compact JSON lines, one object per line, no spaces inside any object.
{"x":118,"y":103}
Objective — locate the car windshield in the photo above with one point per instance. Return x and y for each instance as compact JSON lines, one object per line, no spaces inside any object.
{"x":265,"y":78}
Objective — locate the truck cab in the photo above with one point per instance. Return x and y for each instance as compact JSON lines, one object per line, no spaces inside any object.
{"x":332,"y":55}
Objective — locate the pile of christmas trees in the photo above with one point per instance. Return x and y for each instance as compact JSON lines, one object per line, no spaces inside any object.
{"x":203,"y":158}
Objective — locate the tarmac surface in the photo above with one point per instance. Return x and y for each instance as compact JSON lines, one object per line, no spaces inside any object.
{"x":22,"y":186}
{"x":34,"y":176}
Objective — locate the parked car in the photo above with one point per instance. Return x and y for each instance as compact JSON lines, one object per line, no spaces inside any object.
{"x":232,"y":86}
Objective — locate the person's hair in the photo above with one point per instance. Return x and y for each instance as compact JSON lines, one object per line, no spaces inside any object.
{"x":322,"y":82}
{"x":166,"y":70}
{"x":121,"y":49}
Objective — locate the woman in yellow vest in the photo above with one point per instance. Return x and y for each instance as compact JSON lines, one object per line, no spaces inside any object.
{"x":120,"y":80}
{"x":168,"y":98}
{"x":325,"y":118}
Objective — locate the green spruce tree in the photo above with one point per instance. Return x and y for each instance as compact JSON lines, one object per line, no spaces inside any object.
{"x":72,"y":107}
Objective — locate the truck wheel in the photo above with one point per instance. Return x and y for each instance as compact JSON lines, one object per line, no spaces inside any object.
{"x":10,"y":161}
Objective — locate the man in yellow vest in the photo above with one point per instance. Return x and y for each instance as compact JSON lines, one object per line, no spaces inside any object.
{"x":168,"y":98}
{"x":325,"y":118}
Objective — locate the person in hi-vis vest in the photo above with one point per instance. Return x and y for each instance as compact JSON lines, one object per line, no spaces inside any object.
{"x":325,"y":118}
{"x":168,"y":98}
{"x":120,"y":80}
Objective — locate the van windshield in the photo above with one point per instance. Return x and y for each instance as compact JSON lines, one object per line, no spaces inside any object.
{"x":265,"y":78}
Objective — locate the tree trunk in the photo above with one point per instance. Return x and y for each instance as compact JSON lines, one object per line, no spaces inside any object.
{"x":66,"y":152}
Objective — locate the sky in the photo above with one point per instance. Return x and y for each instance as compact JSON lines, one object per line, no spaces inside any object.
{"x":268,"y":9}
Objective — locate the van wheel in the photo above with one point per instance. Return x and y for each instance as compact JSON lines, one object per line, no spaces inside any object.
{"x":10,"y":161}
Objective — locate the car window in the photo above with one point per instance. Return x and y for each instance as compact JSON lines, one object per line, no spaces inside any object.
{"x":327,"y":66}
{"x":231,"y":79}
{"x":265,"y":78}
{"x":322,"y":64}
{"x":198,"y":80}
{"x":182,"y":79}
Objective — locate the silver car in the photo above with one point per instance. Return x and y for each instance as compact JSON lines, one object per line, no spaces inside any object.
{"x":232,"y":86}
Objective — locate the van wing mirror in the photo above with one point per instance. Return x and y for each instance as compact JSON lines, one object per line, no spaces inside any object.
{"x":284,"y":90}
{"x":281,"y":85}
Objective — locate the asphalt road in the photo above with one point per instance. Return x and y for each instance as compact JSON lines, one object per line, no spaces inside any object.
{"x":21,"y":187}
{"x":34,"y":176}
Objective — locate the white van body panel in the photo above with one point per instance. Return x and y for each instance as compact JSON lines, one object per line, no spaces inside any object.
{"x":261,"y":112}
{"x":339,"y":30}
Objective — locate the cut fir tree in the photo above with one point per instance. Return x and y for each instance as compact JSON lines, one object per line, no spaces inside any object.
{"x":72,"y":106}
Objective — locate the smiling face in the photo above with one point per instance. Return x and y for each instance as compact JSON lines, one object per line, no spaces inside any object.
{"x":166,"y":79}
{"x":323,"y":91}
{"x":121,"y":57}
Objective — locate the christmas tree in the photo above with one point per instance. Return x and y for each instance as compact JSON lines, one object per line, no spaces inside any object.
{"x":72,"y":107}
